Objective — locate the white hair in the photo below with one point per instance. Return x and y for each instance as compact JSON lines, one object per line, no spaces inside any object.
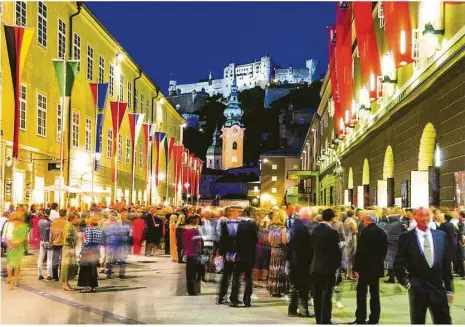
{"x":371,"y":214}
{"x":305,"y":212}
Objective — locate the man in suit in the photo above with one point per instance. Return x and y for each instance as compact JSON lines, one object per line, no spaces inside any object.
{"x":299,"y":256}
{"x":422,"y":265}
{"x":228,"y":250}
{"x":291,"y":216}
{"x":369,"y":268}
{"x":326,"y":259}
{"x":246,"y":240}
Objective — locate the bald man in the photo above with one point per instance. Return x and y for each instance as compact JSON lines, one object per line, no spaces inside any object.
{"x":422,"y":265}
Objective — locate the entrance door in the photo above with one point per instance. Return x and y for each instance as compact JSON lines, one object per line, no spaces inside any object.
{"x":360,"y":197}
{"x":382,"y":194}
{"x":18,"y":187}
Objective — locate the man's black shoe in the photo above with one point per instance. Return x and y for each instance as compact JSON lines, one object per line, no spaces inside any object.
{"x":357,"y":322}
{"x":41,"y":277}
{"x":220,"y":301}
{"x":49,"y":278}
{"x":371,"y":323}
{"x":293,"y":314}
{"x":234,"y":305}
{"x":248,"y":305}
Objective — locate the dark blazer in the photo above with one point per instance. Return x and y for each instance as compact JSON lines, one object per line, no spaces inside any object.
{"x":410,"y":266}
{"x":371,"y":251}
{"x":452,"y":237}
{"x":327,"y":256}
{"x":299,"y":251}
{"x":154,"y":226}
{"x":228,"y":237}
{"x":246,"y":238}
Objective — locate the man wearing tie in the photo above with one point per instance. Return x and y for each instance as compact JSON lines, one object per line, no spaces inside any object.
{"x":290,"y":212}
{"x":422,"y":265}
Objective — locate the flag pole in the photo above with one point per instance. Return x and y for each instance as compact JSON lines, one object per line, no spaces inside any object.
{"x":63,"y":115}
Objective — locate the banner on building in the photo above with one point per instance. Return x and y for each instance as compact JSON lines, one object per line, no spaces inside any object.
{"x":398,"y":31}
{"x":118,"y":109}
{"x":99,"y":97}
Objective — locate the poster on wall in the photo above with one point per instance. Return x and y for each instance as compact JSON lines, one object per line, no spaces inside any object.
{"x":420,"y":189}
{"x":366,"y":195}
{"x":360,"y":197}
{"x":459,"y":183}
{"x":404,"y":194}
{"x":382,"y":194}
{"x":351,"y":196}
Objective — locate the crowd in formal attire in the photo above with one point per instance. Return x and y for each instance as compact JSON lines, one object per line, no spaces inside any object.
{"x":301,"y":255}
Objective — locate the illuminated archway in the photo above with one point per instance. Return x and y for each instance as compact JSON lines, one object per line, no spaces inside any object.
{"x":350,"y":184}
{"x":366,"y":173}
{"x":427,"y":148}
{"x":388,"y":166}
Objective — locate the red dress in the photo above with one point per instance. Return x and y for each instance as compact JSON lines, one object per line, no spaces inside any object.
{"x":34,"y":240}
{"x":138,"y":228}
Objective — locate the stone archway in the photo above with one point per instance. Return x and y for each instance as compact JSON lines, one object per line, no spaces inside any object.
{"x":366,"y":183}
{"x":427,"y":148}
{"x":385,"y":190}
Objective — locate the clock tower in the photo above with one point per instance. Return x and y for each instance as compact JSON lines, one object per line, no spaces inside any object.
{"x":233,"y":132}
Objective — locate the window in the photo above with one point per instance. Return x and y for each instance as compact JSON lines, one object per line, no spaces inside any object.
{"x":136,"y":96}
{"x":88,"y":134}
{"x":141,"y":160}
{"x":120,"y":147}
{"x":128,"y":150}
{"x":111,"y":80}
{"x":75,"y":130}
{"x":109,"y":143}
{"x":255,"y":189}
{"x":129,"y":94}
{"x":141,"y":102}
{"x":274,"y":167}
{"x":274,"y":178}
{"x":234,"y":145}
{"x":61,"y":39}
{"x":42,"y":24}
{"x":77,"y":50}
{"x":121,"y":87}
{"x":274,"y":190}
{"x":20,"y":13}
{"x":90,"y":63}
{"x":101,"y":69}
{"x":41,"y":115}
{"x":211,"y":162}
{"x":59,"y":121}
{"x":22,"y":107}
{"x":147,"y":107}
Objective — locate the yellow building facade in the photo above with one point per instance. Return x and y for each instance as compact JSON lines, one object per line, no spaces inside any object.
{"x":64,"y":29}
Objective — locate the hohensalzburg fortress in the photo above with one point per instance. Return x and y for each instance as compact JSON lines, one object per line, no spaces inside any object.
{"x":248,"y":76}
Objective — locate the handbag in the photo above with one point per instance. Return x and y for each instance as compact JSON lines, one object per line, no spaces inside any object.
{"x":48,"y":244}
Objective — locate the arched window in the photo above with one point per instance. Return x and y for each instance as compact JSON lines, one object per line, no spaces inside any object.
{"x":234,"y":145}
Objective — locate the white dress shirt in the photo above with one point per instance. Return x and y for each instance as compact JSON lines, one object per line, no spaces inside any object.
{"x":421,"y":240}
{"x":54,"y":215}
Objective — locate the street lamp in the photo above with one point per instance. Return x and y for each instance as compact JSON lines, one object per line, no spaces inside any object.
{"x":186,"y":185}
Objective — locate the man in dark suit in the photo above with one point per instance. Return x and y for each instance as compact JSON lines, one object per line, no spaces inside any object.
{"x":227,"y":248}
{"x":422,"y":264}
{"x":369,"y":268}
{"x":299,"y":257}
{"x":291,"y":216}
{"x":326,"y":259}
{"x":246,"y":240}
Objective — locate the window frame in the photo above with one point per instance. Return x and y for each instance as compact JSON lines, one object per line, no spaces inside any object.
{"x":59,"y":121}
{"x":75,"y":128}
{"x":88,"y":135}
{"x":42,"y":21}
{"x":101,"y":69}
{"x":274,"y":190}
{"x":109,"y":143}
{"x":22,"y":111}
{"x":44,"y":119}
{"x":22,"y":13}
{"x":129,"y":94}
{"x":274,"y":167}
{"x":274,"y":178}
{"x":128,"y":151}
{"x":111,"y":80}
{"x":90,"y":63}
{"x":121,"y":87}
{"x":61,"y":37}
{"x":119,"y":151}
{"x":77,"y":50}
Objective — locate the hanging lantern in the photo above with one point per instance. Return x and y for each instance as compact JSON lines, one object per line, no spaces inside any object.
{"x":431,"y":13}
{"x":364,"y":99}
{"x":342,"y":128}
{"x":388,"y":68}
{"x":353,"y":118}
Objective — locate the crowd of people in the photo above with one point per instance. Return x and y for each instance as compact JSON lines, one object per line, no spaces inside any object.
{"x":300,"y":254}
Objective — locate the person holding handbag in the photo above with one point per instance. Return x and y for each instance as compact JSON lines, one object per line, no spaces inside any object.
{"x":46,"y":248}
{"x":90,"y":253}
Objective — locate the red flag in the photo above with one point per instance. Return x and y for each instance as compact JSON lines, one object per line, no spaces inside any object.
{"x":398,"y":31}
{"x":367,"y":47}
{"x":171,"y":147}
{"x":118,"y":109}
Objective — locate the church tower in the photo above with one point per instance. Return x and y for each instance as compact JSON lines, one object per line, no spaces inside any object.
{"x":214,"y":152}
{"x":233,"y":132}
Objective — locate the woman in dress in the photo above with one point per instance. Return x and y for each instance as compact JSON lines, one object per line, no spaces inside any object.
{"x":173,"y":246}
{"x":16,"y":247}
{"x":179,"y":239}
{"x":192,"y":246}
{"x":69,"y":267}
{"x":277,"y":279}
{"x":138,"y":229}
{"x":34,"y":240}
{"x":90,"y":257}
{"x":262,"y":263}
{"x":350,"y":231}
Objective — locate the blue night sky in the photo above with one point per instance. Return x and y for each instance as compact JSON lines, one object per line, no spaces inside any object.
{"x":185,"y":40}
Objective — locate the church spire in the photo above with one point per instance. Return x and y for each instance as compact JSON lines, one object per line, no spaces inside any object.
{"x":233,"y":113}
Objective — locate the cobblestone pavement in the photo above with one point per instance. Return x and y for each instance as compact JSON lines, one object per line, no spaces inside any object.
{"x":155,"y":293}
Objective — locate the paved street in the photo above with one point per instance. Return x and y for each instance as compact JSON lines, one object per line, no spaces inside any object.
{"x":155,"y":293}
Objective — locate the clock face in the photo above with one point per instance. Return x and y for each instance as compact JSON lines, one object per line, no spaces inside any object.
{"x":235,"y":130}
